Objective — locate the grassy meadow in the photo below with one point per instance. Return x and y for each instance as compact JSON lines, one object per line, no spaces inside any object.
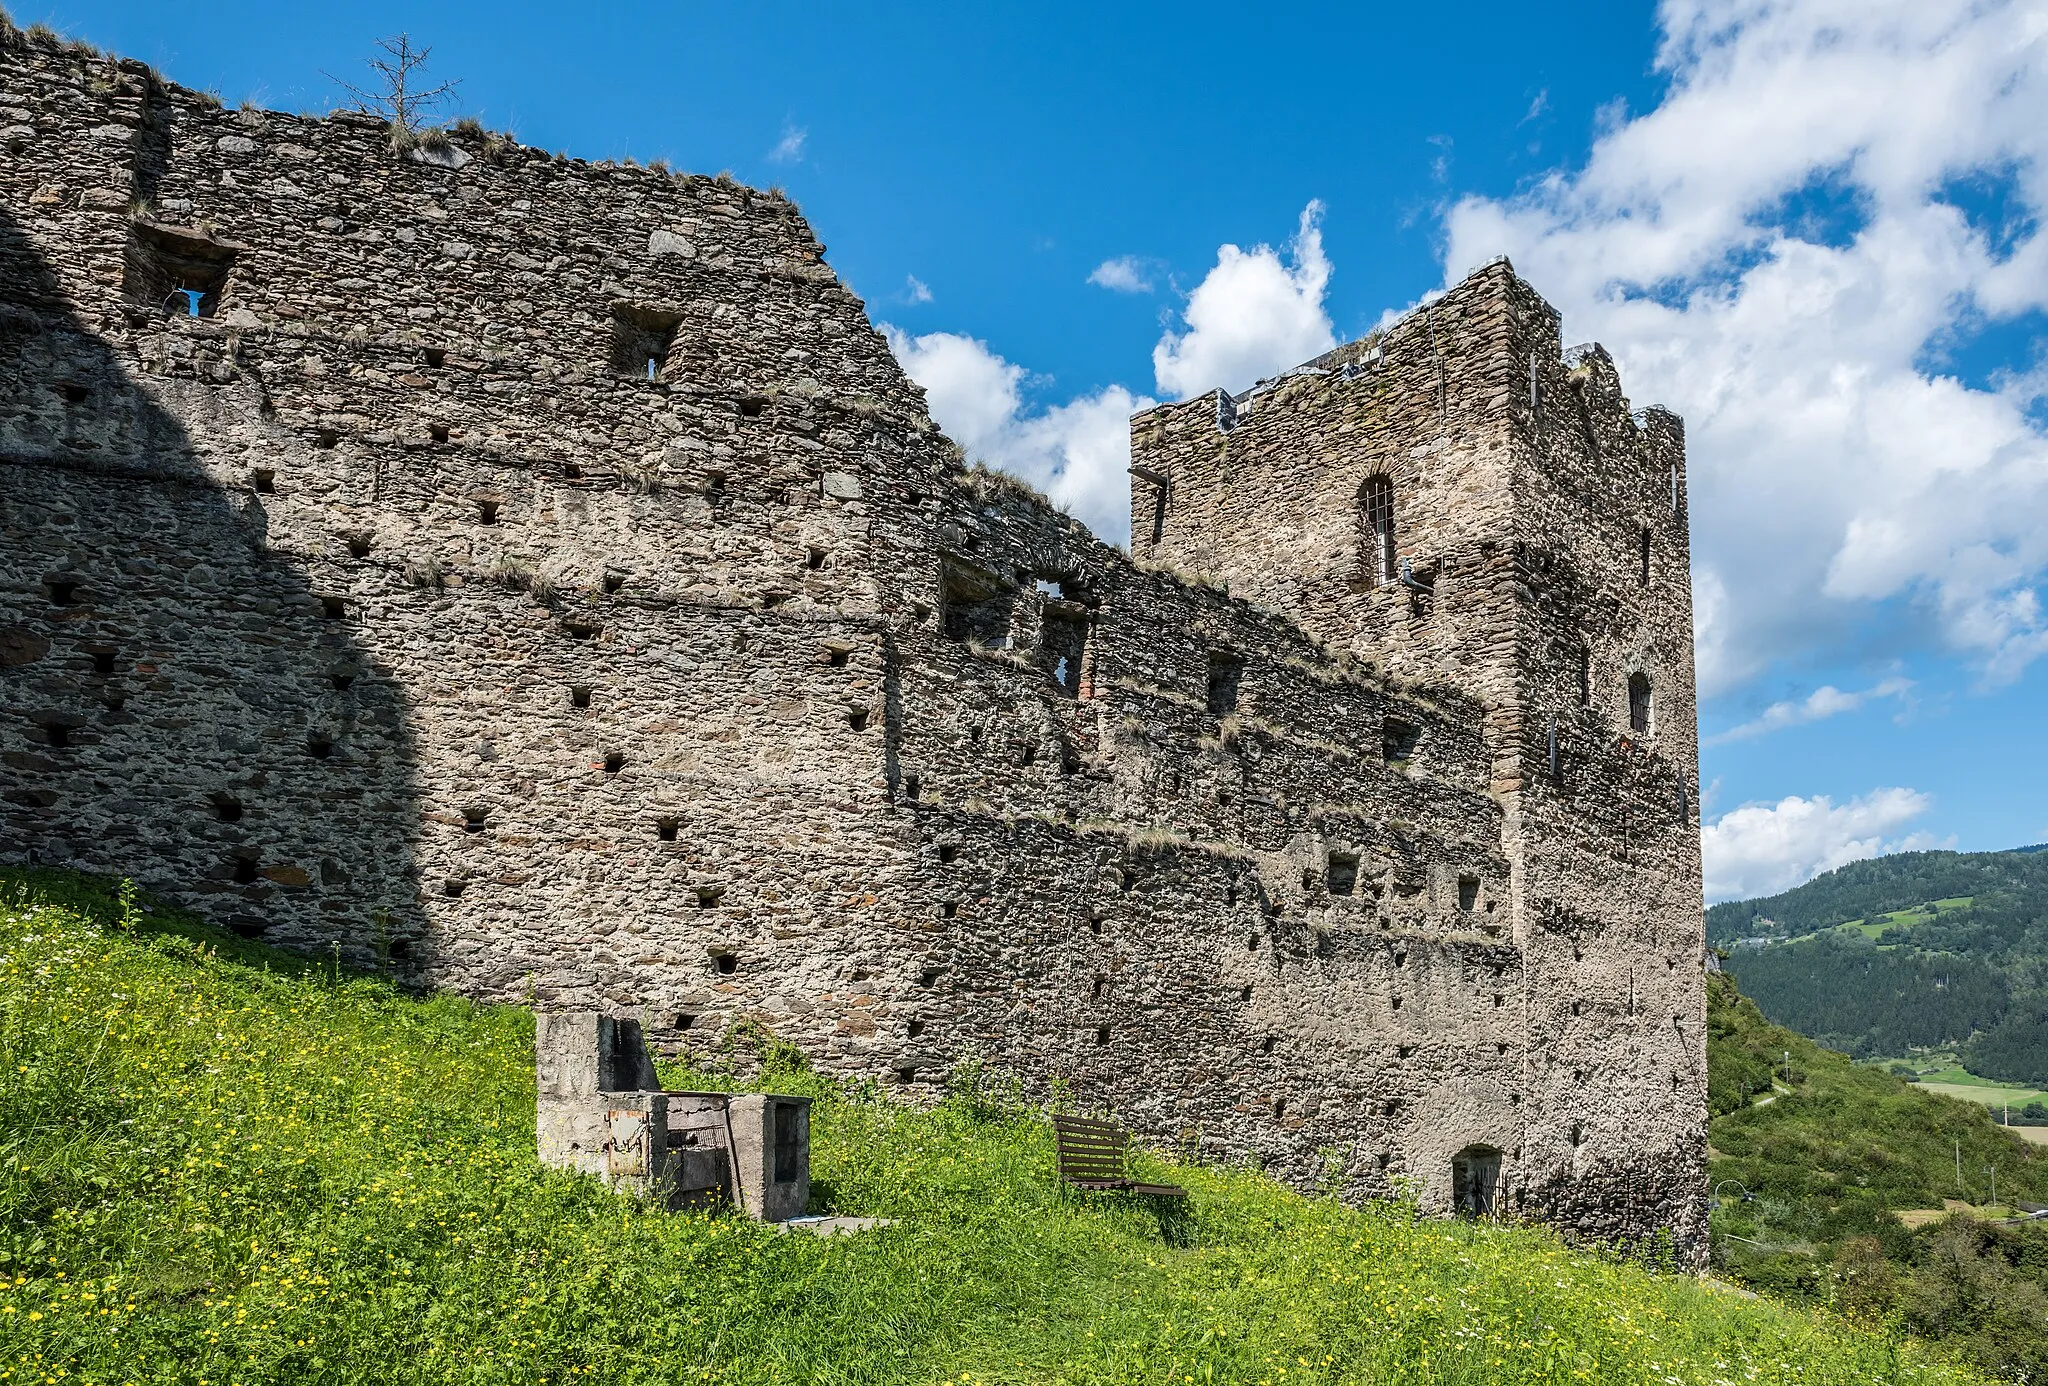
{"x":220,"y":1164}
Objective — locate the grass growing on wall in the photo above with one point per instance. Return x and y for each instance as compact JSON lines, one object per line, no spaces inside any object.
{"x":220,"y":1164}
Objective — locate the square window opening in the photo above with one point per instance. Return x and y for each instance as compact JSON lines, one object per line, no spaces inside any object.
{"x":176,"y":272}
{"x":642,"y":338}
{"x":1341,"y":873}
{"x":975,"y":606}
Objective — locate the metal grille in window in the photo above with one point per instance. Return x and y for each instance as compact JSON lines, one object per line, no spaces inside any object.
{"x":1639,"y":703}
{"x":1376,"y":529}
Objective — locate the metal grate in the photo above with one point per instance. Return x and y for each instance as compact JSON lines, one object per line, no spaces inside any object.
{"x":1376,"y":520}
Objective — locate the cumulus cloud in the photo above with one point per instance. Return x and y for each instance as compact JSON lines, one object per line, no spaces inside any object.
{"x":790,"y":148}
{"x":1077,"y":453}
{"x":1126,"y":274}
{"x":1761,"y":849}
{"x":1255,"y":314}
{"x":1831,"y":195}
{"x":1824,"y":702}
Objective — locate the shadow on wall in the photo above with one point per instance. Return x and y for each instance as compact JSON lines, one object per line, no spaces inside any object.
{"x":179,"y":703}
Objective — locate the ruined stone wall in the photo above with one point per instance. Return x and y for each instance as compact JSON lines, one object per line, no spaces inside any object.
{"x":393,"y":604}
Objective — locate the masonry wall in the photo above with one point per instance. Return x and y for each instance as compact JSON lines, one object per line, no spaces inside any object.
{"x":392,"y":605}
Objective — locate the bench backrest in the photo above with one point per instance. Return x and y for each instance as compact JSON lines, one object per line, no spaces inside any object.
{"x":1090,"y":1150}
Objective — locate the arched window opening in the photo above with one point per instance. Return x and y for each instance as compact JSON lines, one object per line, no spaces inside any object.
{"x":1639,"y":708}
{"x":1376,"y":529}
{"x":1475,"y":1181}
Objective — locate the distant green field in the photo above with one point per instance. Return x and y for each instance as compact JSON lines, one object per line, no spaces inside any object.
{"x":1960,"y":1082}
{"x":1905,"y":919}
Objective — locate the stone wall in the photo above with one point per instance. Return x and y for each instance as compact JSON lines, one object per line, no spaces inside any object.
{"x":394,"y":603}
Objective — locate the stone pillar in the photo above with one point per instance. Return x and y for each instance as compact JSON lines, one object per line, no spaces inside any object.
{"x":578,"y":1055}
{"x":771,"y":1155}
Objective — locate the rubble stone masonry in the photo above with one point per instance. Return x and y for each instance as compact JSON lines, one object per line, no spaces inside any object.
{"x":538,"y":579}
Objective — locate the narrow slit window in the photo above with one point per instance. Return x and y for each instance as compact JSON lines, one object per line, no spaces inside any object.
{"x":1226,"y":678}
{"x":1643,"y":569}
{"x":1398,"y":742}
{"x":1640,"y":707}
{"x":1063,"y":629}
{"x":1376,"y":530}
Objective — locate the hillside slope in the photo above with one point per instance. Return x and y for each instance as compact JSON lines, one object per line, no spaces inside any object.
{"x":223,"y":1165}
{"x":1814,"y":1156}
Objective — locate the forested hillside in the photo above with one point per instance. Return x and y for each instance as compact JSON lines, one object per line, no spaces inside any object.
{"x":1916,"y":951}
{"x":1880,"y":885}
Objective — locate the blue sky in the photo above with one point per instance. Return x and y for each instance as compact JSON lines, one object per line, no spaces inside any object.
{"x":1811,"y":227}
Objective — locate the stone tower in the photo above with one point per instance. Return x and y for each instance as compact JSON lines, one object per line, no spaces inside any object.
{"x":1456,"y":499}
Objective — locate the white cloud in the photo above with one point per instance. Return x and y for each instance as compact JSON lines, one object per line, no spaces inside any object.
{"x":790,"y":149}
{"x":1126,"y":274}
{"x":1077,"y":453}
{"x":915,"y":290}
{"x":1254,"y":315}
{"x":1824,"y":702}
{"x":1761,"y":849}
{"x":1836,"y":475}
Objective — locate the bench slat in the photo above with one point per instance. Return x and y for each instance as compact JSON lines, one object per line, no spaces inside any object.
{"x":1095,"y":1155}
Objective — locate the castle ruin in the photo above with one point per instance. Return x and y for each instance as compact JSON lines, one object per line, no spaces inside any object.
{"x":538,"y":579}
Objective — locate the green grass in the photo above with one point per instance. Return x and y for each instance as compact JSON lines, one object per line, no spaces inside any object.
{"x":224,"y":1165}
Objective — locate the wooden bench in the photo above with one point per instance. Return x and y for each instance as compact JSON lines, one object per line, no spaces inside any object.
{"x":1095,"y":1155}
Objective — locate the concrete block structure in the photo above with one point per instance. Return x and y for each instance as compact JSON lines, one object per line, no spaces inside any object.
{"x":538,"y":579}
{"x":601,"y":1109}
